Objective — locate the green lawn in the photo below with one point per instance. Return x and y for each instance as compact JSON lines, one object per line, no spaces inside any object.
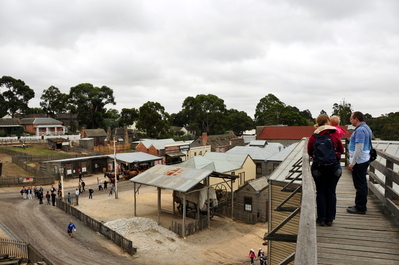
{"x":35,"y":150}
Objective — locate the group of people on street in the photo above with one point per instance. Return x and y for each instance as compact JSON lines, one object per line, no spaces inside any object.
{"x":261,"y":256}
{"x":326,"y":172}
{"x":105,"y":187}
{"x":38,"y":192}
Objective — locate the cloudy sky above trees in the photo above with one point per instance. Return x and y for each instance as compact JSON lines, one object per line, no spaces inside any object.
{"x":310,"y":54}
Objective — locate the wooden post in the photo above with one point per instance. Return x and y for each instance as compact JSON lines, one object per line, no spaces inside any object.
{"x":209,"y":204}
{"x":134,"y":200}
{"x":232,"y":200}
{"x":184,"y":216}
{"x":159,"y":206}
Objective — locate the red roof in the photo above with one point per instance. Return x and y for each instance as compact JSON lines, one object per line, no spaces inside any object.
{"x":291,"y":132}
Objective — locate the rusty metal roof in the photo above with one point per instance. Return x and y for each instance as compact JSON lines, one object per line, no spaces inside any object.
{"x":172,"y":177}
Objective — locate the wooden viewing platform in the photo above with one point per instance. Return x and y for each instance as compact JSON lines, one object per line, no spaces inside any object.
{"x":372,"y":238}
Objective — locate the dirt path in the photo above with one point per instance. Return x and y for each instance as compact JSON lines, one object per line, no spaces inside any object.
{"x":44,"y":226}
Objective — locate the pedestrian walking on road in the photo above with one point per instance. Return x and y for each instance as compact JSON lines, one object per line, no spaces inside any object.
{"x":91,"y":191}
{"x":53,"y":196}
{"x":71,"y":227}
{"x":83,"y":186}
{"x":24,"y":192}
{"x":111,"y":189}
{"x":252,"y":256}
{"x":40,"y":197}
{"x":105,"y":185}
{"x":48,"y":197}
{"x":29,"y":190}
{"x":100,"y":185}
{"x":69,"y":197}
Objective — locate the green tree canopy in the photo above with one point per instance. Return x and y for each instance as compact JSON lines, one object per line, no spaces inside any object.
{"x":111,"y":118}
{"x":154,"y":120}
{"x":16,"y":96}
{"x":239,"y":121}
{"x":206,"y":113}
{"x":89,"y":102}
{"x":271,"y":111}
{"x":343,"y":111}
{"x":268,"y":110}
{"x":53,"y":101}
{"x":128,"y":117}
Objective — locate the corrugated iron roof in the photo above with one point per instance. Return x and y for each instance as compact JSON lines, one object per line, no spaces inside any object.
{"x":159,"y":144}
{"x":281,"y":156}
{"x":291,"y":132}
{"x":12,"y":122}
{"x":135,"y":157}
{"x":259,"y":184}
{"x":42,"y":121}
{"x":95,"y":132}
{"x":218,"y":162}
{"x":256,"y":153}
{"x":172,"y":177}
{"x":283,"y":170}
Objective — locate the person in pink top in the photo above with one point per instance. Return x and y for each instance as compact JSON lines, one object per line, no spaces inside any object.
{"x":252,"y":256}
{"x":335,"y":121}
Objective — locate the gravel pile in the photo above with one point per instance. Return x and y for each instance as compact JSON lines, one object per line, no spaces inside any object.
{"x":138,"y":224}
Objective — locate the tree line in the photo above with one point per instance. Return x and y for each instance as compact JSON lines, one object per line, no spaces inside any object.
{"x":202,"y":113}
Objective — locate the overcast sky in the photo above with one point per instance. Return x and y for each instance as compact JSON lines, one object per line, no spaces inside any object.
{"x":310,"y":54}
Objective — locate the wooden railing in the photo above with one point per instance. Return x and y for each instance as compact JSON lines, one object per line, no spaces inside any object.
{"x":383,"y":179}
{"x":383,"y":183}
{"x":306,"y":247}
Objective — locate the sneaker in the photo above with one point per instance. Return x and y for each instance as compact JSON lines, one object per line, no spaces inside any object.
{"x":355,"y":211}
{"x":329,"y":223}
{"x":320,"y":222}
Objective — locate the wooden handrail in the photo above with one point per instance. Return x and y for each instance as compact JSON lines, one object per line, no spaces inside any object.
{"x":306,"y":247}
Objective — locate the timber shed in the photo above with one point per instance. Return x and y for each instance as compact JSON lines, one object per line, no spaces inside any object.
{"x":284,"y":198}
{"x":252,"y":201}
{"x":180,"y":179}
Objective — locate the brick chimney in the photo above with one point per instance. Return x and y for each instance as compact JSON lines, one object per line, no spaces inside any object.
{"x":204,"y":138}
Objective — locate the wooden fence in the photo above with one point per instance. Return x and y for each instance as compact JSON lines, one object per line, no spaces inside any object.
{"x":383,"y":179}
{"x":22,"y":251}
{"x":13,"y":248}
{"x":109,"y":149}
{"x":191,"y":228}
{"x":115,"y":237}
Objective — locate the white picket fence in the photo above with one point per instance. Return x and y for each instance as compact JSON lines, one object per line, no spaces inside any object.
{"x":35,"y":139}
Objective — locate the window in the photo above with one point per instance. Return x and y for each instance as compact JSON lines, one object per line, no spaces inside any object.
{"x":248,"y":204}
{"x":258,"y":168}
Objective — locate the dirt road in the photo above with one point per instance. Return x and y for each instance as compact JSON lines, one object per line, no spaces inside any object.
{"x":44,"y":226}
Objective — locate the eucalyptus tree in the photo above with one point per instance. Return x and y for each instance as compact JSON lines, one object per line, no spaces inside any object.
{"x":239,"y":121}
{"x":343,"y":111}
{"x":89,"y":102}
{"x":128,"y":117}
{"x":154,"y":120}
{"x":53,"y":101}
{"x":272,"y":111}
{"x":14,"y":96}
{"x":205,"y":113}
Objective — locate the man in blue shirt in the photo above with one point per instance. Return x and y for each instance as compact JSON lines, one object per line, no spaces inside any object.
{"x":359,"y":156}
{"x":71,"y":227}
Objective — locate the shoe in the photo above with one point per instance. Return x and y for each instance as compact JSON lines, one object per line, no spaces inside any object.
{"x":355,"y":211}
{"x":320,"y":222}
{"x":353,"y":206}
{"x":329,"y":223}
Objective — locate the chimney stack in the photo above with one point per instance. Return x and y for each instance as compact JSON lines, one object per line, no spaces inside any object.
{"x":204,"y":138}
